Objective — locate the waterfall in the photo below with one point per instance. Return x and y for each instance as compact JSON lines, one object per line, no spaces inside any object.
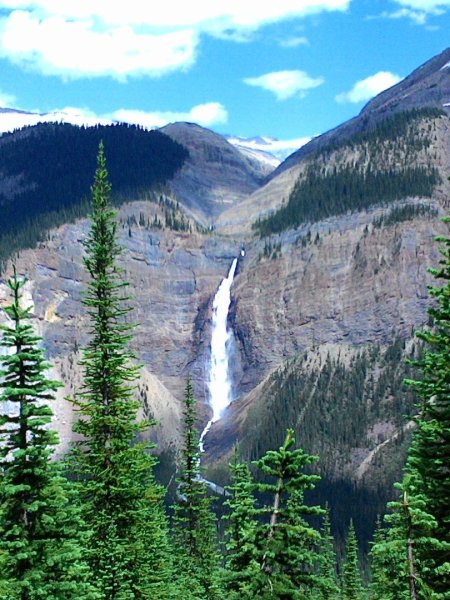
{"x":219,"y":384}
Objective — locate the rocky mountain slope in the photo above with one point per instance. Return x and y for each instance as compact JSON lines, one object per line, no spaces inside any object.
{"x":428,"y":85}
{"x":216,"y":175}
{"x":346,"y":282}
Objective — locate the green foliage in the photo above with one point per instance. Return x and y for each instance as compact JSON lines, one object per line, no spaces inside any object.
{"x":243,"y":567}
{"x":49,"y":167}
{"x":194,"y":529}
{"x":372,"y":177}
{"x":41,"y":534}
{"x":332,"y":405}
{"x":430,"y":452}
{"x":127,"y":546}
{"x":272,"y":549}
{"x":338,"y":406}
{"x":407,"y":212}
{"x":316,"y":196}
{"x":328,"y":588}
{"x":352,"y":588}
{"x":400,"y":563}
{"x":399,"y":127}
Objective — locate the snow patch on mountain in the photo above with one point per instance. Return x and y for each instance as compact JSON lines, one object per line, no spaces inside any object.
{"x":268,"y":148}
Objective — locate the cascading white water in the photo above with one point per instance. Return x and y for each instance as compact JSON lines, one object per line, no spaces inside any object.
{"x":219,"y":382}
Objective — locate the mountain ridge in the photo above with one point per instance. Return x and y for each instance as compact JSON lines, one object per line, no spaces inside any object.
{"x":411,"y":92}
{"x":346,"y":283}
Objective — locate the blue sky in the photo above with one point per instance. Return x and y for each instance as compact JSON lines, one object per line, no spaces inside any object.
{"x":289,"y":69}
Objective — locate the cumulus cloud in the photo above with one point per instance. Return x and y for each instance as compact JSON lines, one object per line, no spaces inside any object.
{"x":285,"y":84}
{"x":6,"y":100}
{"x":417,"y":11}
{"x":208,"y":114}
{"x":294,"y":42}
{"x":366,"y":88}
{"x":55,"y":46}
{"x":89,"y":38}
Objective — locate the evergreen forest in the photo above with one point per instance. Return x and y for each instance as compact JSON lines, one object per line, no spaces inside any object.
{"x":96,"y":526}
{"x":377,"y":172}
{"x":49,"y":194}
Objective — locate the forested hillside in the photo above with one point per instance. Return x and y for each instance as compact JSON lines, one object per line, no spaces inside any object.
{"x":389,"y":162}
{"x":95,"y":526}
{"x":45,"y":174}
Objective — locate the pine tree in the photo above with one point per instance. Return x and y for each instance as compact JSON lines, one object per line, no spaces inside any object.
{"x":242,"y":559}
{"x":381,"y":563}
{"x":430,"y":452}
{"x":41,"y":534}
{"x":194,"y":529}
{"x":399,"y":554}
{"x":327,"y":582}
{"x":351,"y":576}
{"x":287,"y":543}
{"x":127,"y":548}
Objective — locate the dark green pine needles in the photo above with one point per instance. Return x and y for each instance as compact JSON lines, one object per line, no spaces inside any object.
{"x":271,"y":549}
{"x":40,"y":527}
{"x":127,"y":546}
{"x":194,"y":529}
{"x":430,"y":451}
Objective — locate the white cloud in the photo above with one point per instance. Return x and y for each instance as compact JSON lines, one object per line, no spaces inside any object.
{"x":428,"y":6}
{"x":207,"y":115}
{"x":417,"y":16}
{"x":58,"y":47}
{"x":10,"y":121}
{"x":6,"y":100}
{"x":294,"y":42}
{"x":417,"y":11}
{"x":370,"y":86}
{"x":285,"y":84}
{"x":90,"y":38}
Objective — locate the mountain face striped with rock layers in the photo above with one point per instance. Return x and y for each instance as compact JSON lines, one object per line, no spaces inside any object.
{"x":337,"y":239}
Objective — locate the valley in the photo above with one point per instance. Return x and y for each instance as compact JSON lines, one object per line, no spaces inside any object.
{"x":333,"y":281}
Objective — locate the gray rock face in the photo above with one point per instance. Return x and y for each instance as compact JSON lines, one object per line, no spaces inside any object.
{"x":351,"y":284}
{"x":215,"y":176}
{"x":172,"y":277}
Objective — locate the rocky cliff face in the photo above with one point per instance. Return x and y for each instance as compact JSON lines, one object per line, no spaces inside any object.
{"x":348,"y":280}
{"x":172,"y":277}
{"x":216,"y":175}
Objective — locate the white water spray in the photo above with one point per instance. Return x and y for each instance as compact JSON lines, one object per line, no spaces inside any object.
{"x":219,"y":383}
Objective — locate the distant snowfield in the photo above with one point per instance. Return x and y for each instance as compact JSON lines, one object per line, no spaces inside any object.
{"x":268,"y":147}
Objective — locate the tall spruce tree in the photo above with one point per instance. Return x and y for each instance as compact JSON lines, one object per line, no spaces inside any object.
{"x":127,"y":546}
{"x":400,"y":553}
{"x":430,"y":452}
{"x":352,"y":588}
{"x":287,"y":544}
{"x":41,"y":533}
{"x":327,"y":580}
{"x":243,"y":567}
{"x":194,"y":529}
